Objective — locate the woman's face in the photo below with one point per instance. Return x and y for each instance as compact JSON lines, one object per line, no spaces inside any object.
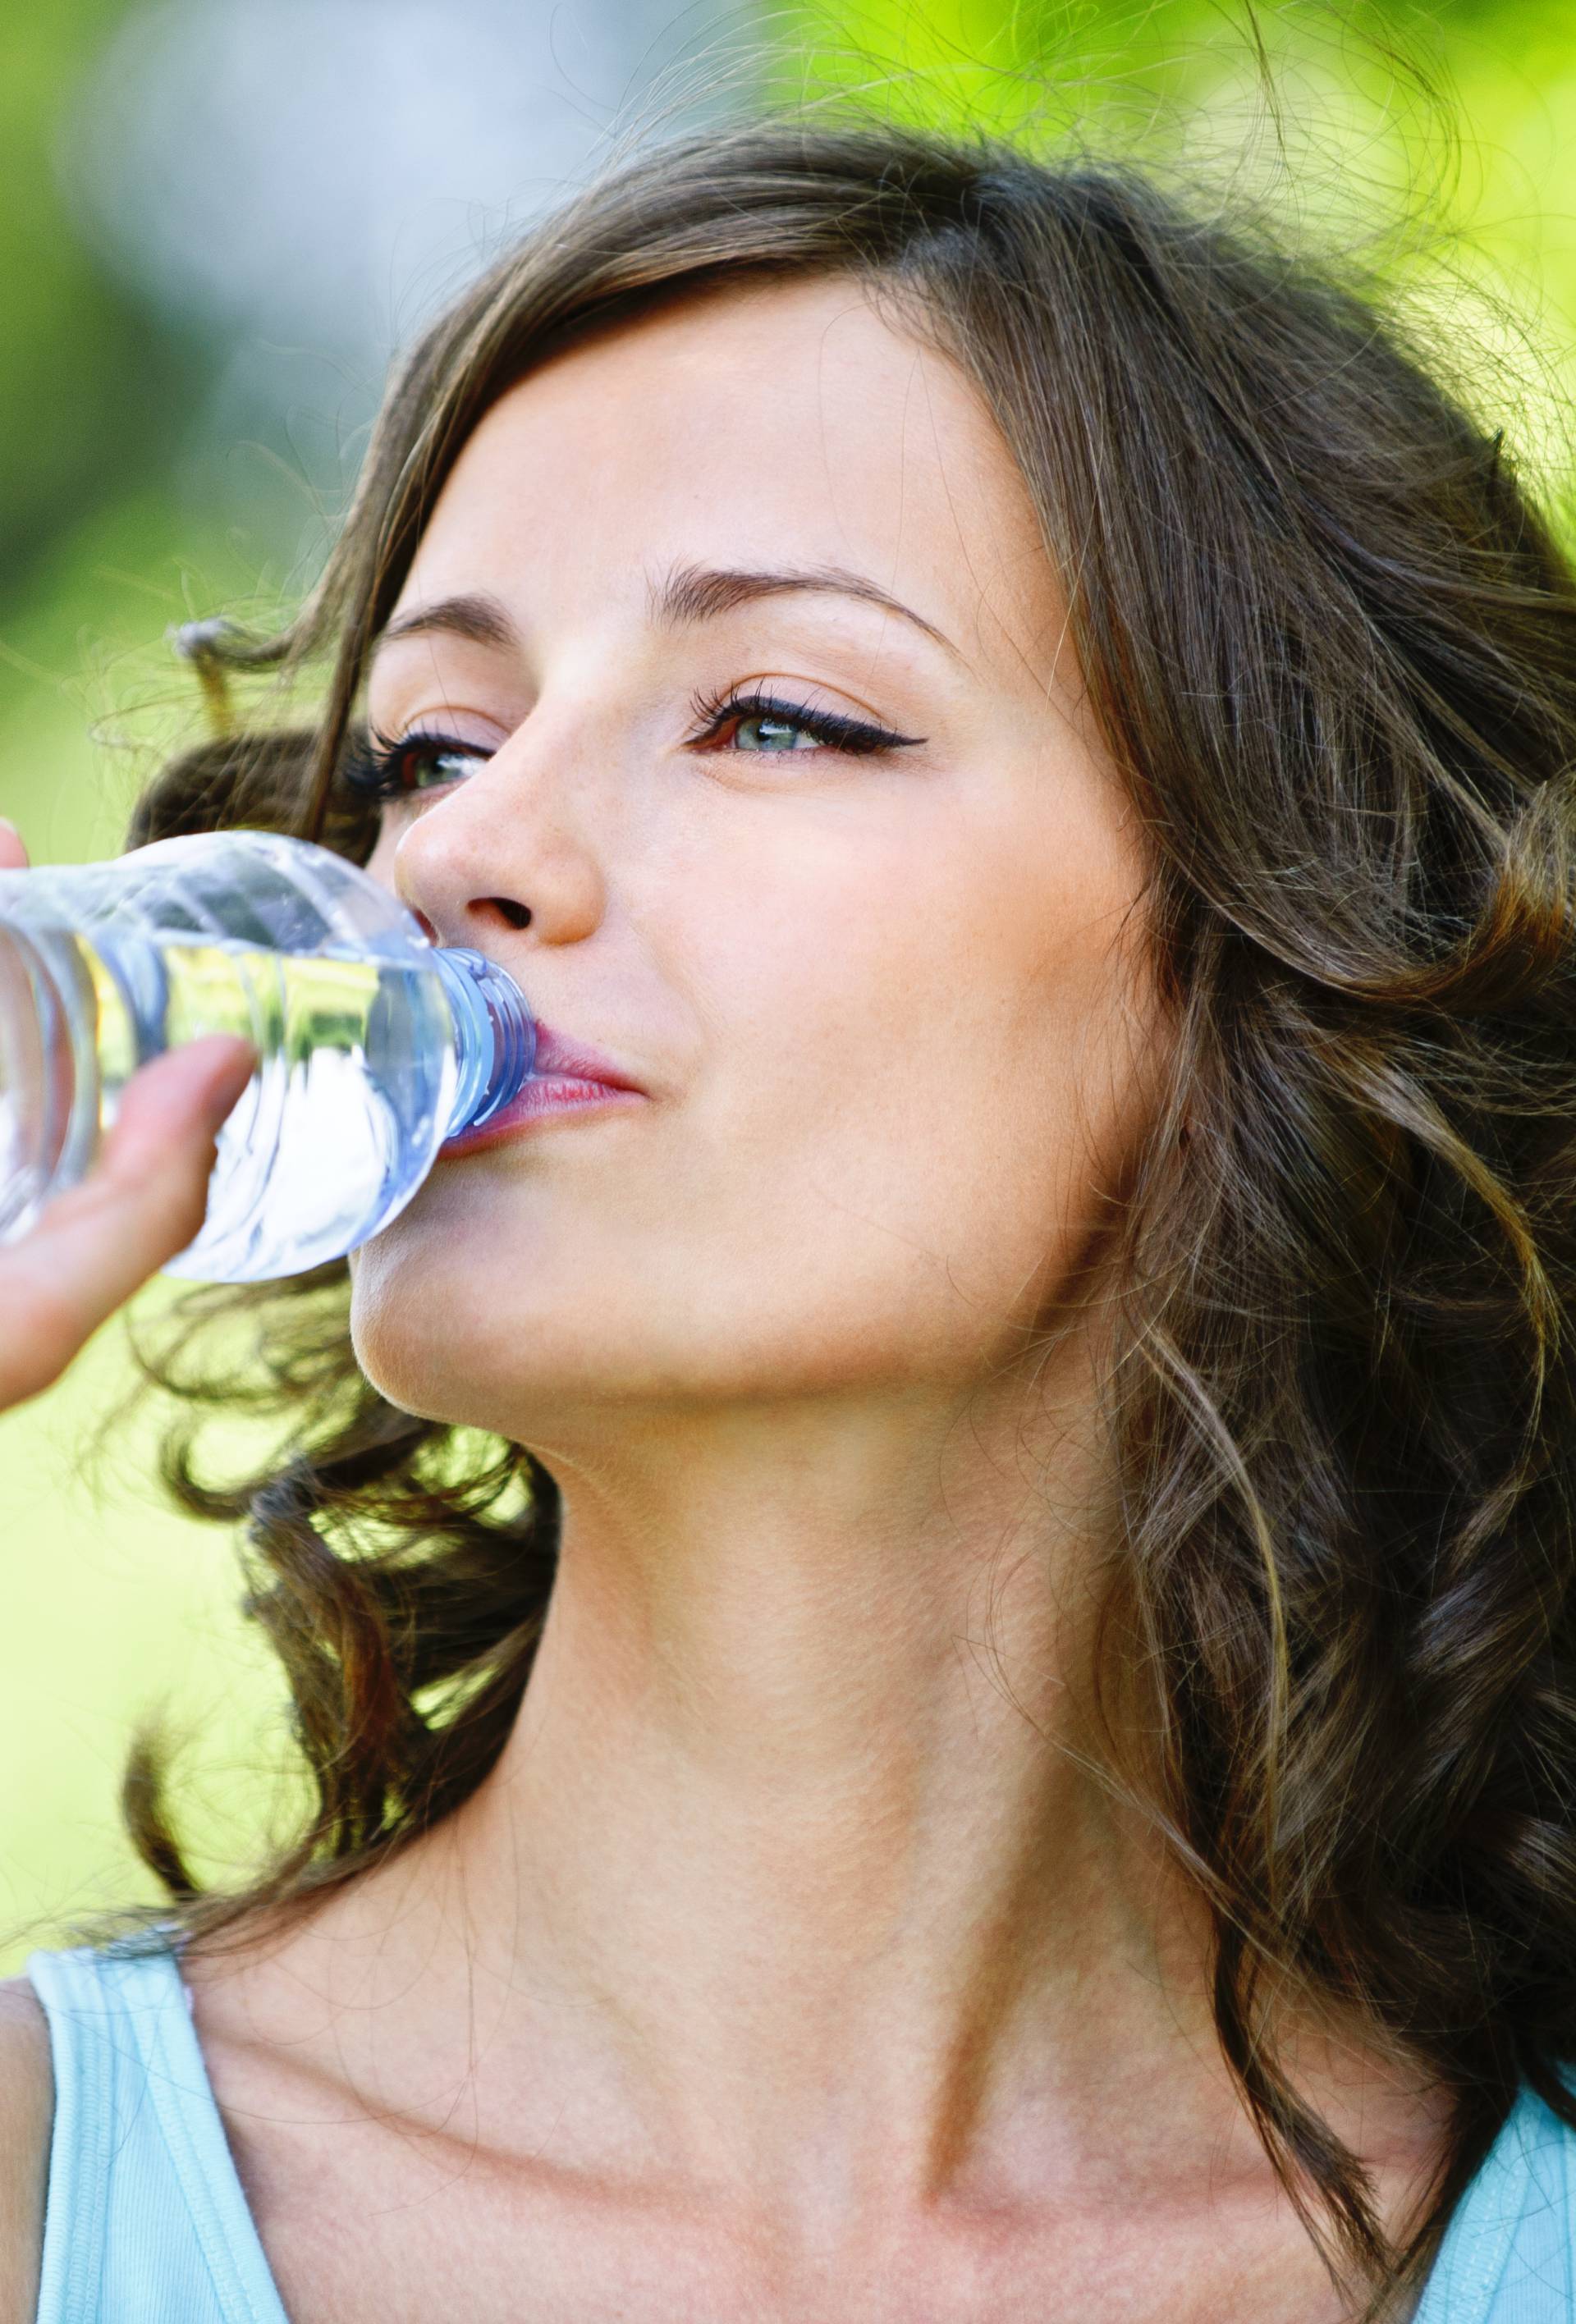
{"x":865,"y":947}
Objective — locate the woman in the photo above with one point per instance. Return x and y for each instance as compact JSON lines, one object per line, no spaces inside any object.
{"x":1015,"y":1408}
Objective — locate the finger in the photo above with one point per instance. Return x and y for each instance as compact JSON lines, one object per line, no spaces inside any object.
{"x":13,"y":853}
{"x":145,"y":1201}
{"x":187,"y":1092}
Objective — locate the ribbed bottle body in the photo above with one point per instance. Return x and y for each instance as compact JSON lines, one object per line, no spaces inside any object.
{"x":366,"y":1036}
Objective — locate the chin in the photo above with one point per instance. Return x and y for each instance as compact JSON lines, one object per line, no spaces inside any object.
{"x":491,"y":1341}
{"x":426,"y":1333}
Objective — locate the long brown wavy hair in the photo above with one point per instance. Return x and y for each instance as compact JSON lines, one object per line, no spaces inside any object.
{"x":1328,"y":638}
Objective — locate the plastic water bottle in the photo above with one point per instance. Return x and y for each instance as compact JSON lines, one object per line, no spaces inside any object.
{"x":374,"y":1044}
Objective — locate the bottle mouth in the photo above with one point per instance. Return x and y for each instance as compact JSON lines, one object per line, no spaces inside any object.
{"x":495,"y":1036}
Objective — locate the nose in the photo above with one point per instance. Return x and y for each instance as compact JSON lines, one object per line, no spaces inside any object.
{"x":496,"y":857}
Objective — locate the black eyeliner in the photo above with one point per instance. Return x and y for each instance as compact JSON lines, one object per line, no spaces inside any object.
{"x":372,"y":768}
{"x":833,"y":728}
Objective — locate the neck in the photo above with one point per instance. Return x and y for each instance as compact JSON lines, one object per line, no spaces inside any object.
{"x":793,"y":1874}
{"x":797,"y":1788}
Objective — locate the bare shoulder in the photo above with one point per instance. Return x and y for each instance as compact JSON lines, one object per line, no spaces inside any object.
{"x":27,"y":2106}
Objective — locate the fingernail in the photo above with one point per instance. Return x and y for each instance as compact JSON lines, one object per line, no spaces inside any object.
{"x":220,"y":1100}
{"x":6,"y":824}
{"x":187,"y":1075}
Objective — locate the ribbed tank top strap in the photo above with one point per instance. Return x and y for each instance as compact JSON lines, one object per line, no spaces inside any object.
{"x":146,"y":2221}
{"x":1509,"y":2253}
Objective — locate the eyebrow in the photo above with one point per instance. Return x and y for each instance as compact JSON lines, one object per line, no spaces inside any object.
{"x":482,"y":619}
{"x":694,"y":593}
{"x":690,"y":593}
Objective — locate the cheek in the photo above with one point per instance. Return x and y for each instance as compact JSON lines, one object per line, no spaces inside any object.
{"x":901,"y":1131}
{"x":924,"y":1115}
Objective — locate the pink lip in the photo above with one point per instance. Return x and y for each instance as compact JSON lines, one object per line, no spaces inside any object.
{"x":557,"y":1055}
{"x":568,"y":1079}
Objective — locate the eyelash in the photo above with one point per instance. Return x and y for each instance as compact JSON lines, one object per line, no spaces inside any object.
{"x":376,"y":769}
{"x":858,"y":737}
{"x":373,"y":769}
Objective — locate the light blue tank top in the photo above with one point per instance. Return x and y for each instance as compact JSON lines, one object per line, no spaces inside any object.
{"x":144,"y":2219}
{"x":146,"y":2222}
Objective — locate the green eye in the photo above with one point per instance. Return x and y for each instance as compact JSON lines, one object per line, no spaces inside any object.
{"x":765,"y":725}
{"x":775,"y":735}
{"x":419,"y":762}
{"x":429,"y":768}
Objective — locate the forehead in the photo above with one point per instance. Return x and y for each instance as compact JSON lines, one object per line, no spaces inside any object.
{"x":761,"y":422}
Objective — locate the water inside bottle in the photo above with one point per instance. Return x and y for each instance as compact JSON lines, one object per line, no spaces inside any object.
{"x":339,"y":1125}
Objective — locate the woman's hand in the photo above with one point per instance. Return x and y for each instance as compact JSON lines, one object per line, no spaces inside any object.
{"x":144,"y":1201}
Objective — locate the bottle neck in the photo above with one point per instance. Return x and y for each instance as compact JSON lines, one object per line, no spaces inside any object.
{"x":494,"y":1036}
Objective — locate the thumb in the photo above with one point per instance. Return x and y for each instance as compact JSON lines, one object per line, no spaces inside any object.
{"x":95,"y":1244}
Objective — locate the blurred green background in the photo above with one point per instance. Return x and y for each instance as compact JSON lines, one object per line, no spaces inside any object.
{"x":217,"y":218}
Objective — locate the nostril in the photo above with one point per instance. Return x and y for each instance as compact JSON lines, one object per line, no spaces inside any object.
{"x":518,"y":916}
